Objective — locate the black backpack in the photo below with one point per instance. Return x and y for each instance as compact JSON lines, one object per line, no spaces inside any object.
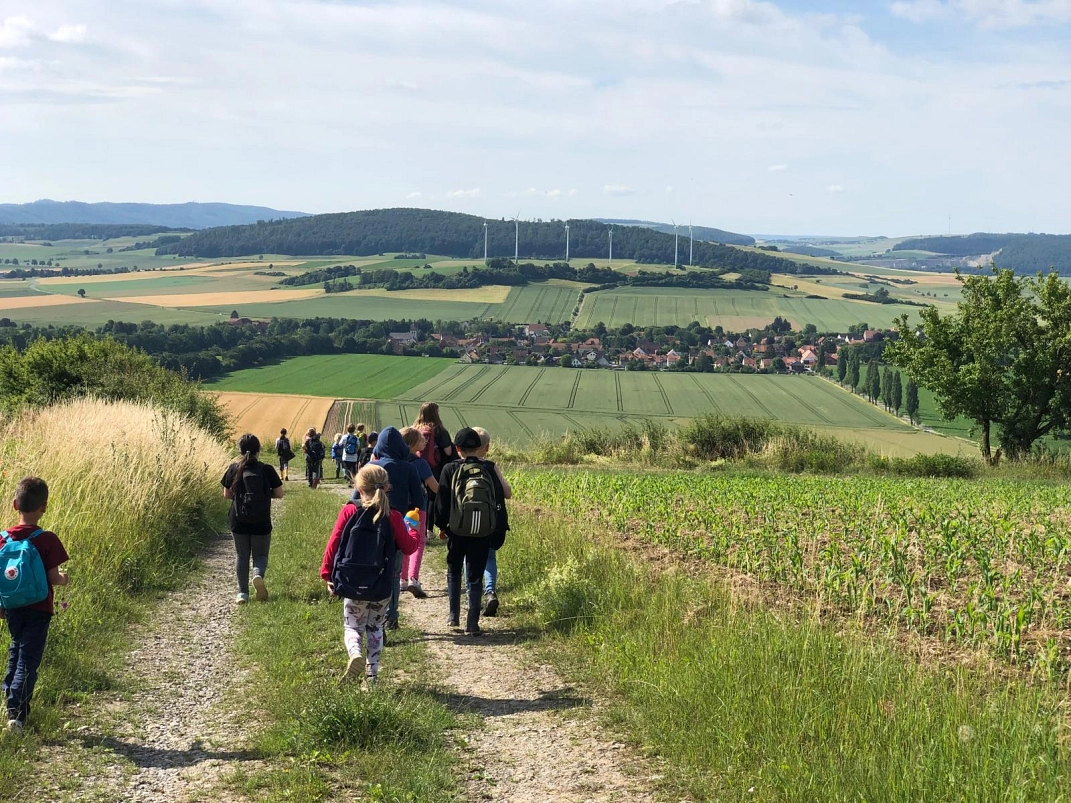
{"x":316,"y":450}
{"x":364,"y":564}
{"x":284,"y":449}
{"x":252,"y":500}
{"x":474,"y":512}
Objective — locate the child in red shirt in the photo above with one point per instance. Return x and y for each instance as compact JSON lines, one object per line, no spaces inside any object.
{"x":363,"y":619}
{"x":29,"y":624}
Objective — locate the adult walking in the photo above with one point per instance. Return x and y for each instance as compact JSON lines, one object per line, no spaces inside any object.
{"x":251,"y":485}
{"x":439,"y":448}
{"x":406,"y":492}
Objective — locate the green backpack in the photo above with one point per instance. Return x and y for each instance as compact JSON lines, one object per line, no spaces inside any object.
{"x":474,"y":512}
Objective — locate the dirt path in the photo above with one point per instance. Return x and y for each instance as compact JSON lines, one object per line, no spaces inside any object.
{"x":180,"y":732}
{"x":538,"y":742}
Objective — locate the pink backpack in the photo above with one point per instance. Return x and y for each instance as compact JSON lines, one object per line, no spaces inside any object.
{"x":430,"y":452}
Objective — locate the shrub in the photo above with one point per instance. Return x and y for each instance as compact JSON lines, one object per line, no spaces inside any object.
{"x":927,"y":465}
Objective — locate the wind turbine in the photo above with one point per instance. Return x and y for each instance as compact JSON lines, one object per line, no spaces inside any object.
{"x":485,"y":242}
{"x":675,"y":260}
{"x":567,"y":243}
{"x":690,"y":245}
{"x":611,"y":246}
{"x":517,"y":237}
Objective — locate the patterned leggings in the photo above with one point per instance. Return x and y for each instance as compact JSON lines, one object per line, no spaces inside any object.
{"x":363,"y":627}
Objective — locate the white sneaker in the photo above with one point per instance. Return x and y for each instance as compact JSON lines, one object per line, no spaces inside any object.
{"x":242,"y":598}
{"x":354,"y":669}
{"x":14,"y":726}
{"x":417,"y":590}
{"x":260,"y":588}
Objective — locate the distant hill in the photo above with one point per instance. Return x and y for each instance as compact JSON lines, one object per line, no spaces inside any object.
{"x":705,"y":233}
{"x":810,"y":251}
{"x":379,"y":231}
{"x":173,"y":216}
{"x":1023,"y":253}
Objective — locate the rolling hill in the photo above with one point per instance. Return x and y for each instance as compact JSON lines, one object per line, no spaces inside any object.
{"x":179,"y":216}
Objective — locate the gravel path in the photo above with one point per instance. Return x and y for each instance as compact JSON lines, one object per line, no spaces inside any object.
{"x":539,"y":742}
{"x":179,"y":732}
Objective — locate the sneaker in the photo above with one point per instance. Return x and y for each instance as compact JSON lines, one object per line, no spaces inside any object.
{"x":474,"y":633}
{"x":417,"y":590}
{"x":490,"y":608}
{"x":14,"y":726}
{"x":241,"y":598}
{"x":390,"y":624}
{"x":453,"y":621}
{"x":260,"y":588}
{"x":355,"y":668}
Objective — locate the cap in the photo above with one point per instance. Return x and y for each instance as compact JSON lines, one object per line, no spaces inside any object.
{"x":468,"y":439}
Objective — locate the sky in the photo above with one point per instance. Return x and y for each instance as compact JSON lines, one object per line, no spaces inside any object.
{"x":832,"y":117}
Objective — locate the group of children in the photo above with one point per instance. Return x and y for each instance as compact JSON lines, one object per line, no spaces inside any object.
{"x":405,"y":482}
{"x":349,"y":451}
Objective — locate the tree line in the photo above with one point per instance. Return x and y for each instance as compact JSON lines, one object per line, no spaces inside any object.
{"x":80,"y":231}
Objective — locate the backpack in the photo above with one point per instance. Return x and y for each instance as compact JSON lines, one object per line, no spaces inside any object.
{"x":430,"y":452}
{"x":253,"y":504}
{"x":285,"y":451}
{"x":352,"y":444}
{"x":316,"y":450}
{"x":474,"y":511}
{"x":364,"y":564}
{"x":23,"y":580}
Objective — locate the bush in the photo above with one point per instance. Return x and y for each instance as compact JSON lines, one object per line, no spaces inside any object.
{"x":927,"y":465}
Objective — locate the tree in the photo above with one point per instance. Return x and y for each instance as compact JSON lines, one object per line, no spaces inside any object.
{"x":1003,"y":359}
{"x":886,"y":387}
{"x":234,"y":315}
{"x":565,"y":361}
{"x":842,"y":366}
{"x":853,"y":369}
{"x":912,"y":402}
{"x":898,"y":393}
{"x":81,"y":292}
{"x":873,"y":381}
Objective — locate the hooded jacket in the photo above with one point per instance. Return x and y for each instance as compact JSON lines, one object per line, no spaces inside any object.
{"x":391,"y":454}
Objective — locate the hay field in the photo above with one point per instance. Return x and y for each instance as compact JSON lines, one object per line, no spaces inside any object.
{"x":223,"y":298}
{"x":40,"y":300}
{"x":490,"y":294}
{"x":264,"y":414}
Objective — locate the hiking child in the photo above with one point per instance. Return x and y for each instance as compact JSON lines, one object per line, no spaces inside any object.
{"x":490,"y":573}
{"x":470,"y":508}
{"x":439,"y":450}
{"x":362,"y":438}
{"x":336,"y":454}
{"x":315,"y":459}
{"x":365,"y":454}
{"x":407,"y":492}
{"x":28,"y":551}
{"x":410,"y":575}
{"x":358,"y":565}
{"x":251,"y":485}
{"x":285,"y":452}
{"x":305,"y":448}
{"x":351,"y":447}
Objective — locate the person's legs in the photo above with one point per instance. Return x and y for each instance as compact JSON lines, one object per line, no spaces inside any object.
{"x":476,"y":562}
{"x":259,"y":546}
{"x":411,"y":567}
{"x":241,"y":565}
{"x":490,"y":584}
{"x":377,"y":612}
{"x":391,"y":622}
{"x":354,"y":620}
{"x":455,"y":558}
{"x":29,"y":629}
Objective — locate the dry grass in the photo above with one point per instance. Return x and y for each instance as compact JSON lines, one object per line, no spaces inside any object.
{"x":264,"y":414}
{"x":222,"y":298}
{"x":490,"y":294}
{"x":42,"y":300}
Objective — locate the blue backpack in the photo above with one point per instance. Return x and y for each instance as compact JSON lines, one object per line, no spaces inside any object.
{"x":364,"y":563}
{"x":22,"y":572}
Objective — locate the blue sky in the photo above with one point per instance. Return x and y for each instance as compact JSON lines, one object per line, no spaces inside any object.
{"x":831,"y":117}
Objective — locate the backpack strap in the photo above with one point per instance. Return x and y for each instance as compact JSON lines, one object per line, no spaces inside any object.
{"x":34,"y":534}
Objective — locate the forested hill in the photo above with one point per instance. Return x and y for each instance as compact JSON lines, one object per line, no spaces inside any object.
{"x":1023,"y":253}
{"x":707,"y":233}
{"x":178,"y":216}
{"x":379,"y":231}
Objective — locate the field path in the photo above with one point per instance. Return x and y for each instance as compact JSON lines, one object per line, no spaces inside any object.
{"x":181,"y":731}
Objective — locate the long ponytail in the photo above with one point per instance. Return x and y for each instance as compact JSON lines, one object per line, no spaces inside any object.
{"x":249,"y":446}
{"x":373,"y":482}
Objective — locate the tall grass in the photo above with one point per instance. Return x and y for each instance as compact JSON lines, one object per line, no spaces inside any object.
{"x":743,"y":704}
{"x":132,"y":489}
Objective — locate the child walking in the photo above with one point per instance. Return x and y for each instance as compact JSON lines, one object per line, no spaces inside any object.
{"x":251,"y":485}
{"x":410,"y":576}
{"x":358,"y":566}
{"x":490,"y":573}
{"x":28,"y":624}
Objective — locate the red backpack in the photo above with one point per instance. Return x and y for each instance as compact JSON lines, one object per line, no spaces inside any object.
{"x":430,"y":452}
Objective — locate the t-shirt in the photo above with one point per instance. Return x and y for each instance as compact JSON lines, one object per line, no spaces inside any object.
{"x":350,"y":457}
{"x":272,"y":481}
{"x":53,"y":554}
{"x":423,"y":470}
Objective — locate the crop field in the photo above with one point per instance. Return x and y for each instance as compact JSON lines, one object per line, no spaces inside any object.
{"x":983,"y":564}
{"x":645,"y":306}
{"x":349,"y":411}
{"x":369,"y":376}
{"x":265,"y":414}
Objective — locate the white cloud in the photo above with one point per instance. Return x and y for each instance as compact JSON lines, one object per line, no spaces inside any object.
{"x":669,"y":189}
{"x":835,"y":188}
{"x":16,"y":32}
{"x":572,"y":193}
{"x":986,"y":13}
{"x":554,"y":193}
{"x":473,"y":193}
{"x":405,"y":86}
{"x":68,"y":33}
{"x":777,"y":168}
{"x":618,"y":190}
{"x":415,"y":195}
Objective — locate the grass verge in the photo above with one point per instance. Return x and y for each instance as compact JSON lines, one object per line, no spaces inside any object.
{"x":131,"y":522}
{"x":323,"y":738}
{"x":745,"y":704}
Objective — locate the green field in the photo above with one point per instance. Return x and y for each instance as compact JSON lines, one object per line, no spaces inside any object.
{"x":370,"y":376}
{"x":735,"y":310}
